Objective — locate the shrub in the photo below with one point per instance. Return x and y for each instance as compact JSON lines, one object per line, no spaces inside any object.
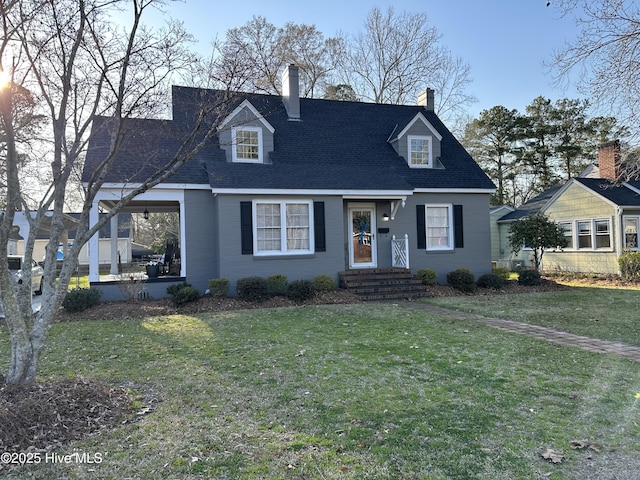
{"x":185,"y":294}
{"x":529,"y":278}
{"x":461,"y":279}
{"x":173,"y":289}
{"x":324,"y":283}
{"x":252,"y":289}
{"x":629,"y":263}
{"x":80,"y":299}
{"x":219,"y":287}
{"x":427,"y":276}
{"x":277,"y":285}
{"x":491,"y":280}
{"x":503,"y":273}
{"x":300,"y":290}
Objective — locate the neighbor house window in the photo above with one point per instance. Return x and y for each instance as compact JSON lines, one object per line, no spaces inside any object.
{"x":439,"y":227}
{"x":419,"y":151}
{"x":603,"y":235}
{"x":247,"y":144}
{"x":567,"y":232}
{"x":282,"y":227}
{"x":588,"y":234}
{"x":584,"y":234}
{"x":631,"y":233}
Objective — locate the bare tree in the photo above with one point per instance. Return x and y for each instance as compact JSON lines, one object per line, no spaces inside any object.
{"x":253,"y":55}
{"x":77,"y":63}
{"x":606,"y":54}
{"x":397,"y":56}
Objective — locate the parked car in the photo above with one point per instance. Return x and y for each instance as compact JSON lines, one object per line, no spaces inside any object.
{"x":37,"y":272}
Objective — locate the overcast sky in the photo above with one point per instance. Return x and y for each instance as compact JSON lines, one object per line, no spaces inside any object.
{"x":504,"y":41}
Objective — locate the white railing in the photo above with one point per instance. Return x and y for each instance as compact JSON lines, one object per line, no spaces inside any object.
{"x":400,"y":252}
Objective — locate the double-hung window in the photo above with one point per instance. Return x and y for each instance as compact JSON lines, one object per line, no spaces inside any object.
{"x":283,"y":227}
{"x":567,"y":232}
{"x":420,"y":151}
{"x":603,"y":234}
{"x":246,"y":144}
{"x":588,"y":234}
{"x":584,"y":234}
{"x":439,"y":225}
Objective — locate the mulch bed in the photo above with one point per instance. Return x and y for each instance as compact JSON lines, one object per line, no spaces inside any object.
{"x":43,"y":416}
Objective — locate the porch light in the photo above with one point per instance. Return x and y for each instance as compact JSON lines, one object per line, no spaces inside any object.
{"x":145,"y":214}
{"x":385,"y":217}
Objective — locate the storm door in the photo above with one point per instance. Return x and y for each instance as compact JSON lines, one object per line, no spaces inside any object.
{"x":362,"y":245}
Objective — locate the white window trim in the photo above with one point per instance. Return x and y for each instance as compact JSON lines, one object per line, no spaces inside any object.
{"x":234,"y":151}
{"x":572,"y":243}
{"x":283,"y":228}
{"x":624,"y":232}
{"x":439,"y":248}
{"x":429,"y":140}
{"x":574,"y":247}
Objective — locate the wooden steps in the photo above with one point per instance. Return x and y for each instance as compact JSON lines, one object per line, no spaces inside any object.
{"x":382,"y":283}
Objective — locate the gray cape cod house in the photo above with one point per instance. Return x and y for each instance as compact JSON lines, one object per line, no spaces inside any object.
{"x":303,"y":187}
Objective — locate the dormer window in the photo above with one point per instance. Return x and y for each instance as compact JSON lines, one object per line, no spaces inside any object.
{"x":420,"y":151}
{"x":247,"y":144}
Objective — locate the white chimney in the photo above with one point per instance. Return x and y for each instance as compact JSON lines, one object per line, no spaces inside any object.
{"x":291,"y":92}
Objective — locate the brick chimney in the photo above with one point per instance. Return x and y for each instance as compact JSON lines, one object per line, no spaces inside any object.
{"x":610,"y":160}
{"x":291,"y":92}
{"x":426,"y":98}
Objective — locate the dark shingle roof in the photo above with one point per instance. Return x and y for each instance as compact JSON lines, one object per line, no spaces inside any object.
{"x":533,"y":206}
{"x":336,"y":145}
{"x":616,"y":193}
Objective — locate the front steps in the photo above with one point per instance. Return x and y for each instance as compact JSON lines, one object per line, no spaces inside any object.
{"x":382,"y":283}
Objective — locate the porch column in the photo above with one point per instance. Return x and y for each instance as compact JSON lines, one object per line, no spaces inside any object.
{"x":114,"y":245}
{"x":94,"y":249}
{"x":183,"y":240}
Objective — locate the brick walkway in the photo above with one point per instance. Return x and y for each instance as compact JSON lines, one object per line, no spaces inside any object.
{"x":543,"y":333}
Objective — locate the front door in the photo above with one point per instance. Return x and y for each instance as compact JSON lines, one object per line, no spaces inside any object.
{"x":362,"y":247}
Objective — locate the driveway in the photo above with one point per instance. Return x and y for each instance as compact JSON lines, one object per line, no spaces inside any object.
{"x":36,"y":303}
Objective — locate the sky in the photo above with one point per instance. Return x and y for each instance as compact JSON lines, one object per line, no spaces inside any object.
{"x":504,"y":41}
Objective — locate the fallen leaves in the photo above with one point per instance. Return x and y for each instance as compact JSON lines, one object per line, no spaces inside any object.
{"x":558,"y":457}
{"x":580,"y":444}
{"x":550,"y":454}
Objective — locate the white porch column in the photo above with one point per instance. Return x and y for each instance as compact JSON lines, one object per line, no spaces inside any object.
{"x":94,"y":248}
{"x":183,"y":240}
{"x":114,"y":245}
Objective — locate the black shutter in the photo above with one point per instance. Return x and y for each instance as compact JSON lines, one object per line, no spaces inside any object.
{"x":318,"y":227}
{"x":246,"y":228}
{"x":422,"y":227}
{"x":458,"y":231}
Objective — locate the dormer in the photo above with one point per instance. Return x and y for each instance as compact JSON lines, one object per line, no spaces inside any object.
{"x":418,"y":143}
{"x":246,"y":136}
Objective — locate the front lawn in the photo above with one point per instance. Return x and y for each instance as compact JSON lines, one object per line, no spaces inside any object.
{"x":346,"y":392}
{"x":604,"y":313}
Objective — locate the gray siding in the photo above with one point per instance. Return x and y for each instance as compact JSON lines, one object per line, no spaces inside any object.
{"x":476,"y":253}
{"x":201,"y":242}
{"x":233,"y":265}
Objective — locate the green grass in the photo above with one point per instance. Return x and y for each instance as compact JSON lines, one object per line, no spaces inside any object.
{"x":345,"y":392}
{"x":604,"y":313}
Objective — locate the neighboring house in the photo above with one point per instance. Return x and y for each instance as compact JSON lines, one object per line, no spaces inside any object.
{"x":124,"y":242}
{"x":21,"y":230}
{"x":303,"y":187}
{"x":599,"y":214}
